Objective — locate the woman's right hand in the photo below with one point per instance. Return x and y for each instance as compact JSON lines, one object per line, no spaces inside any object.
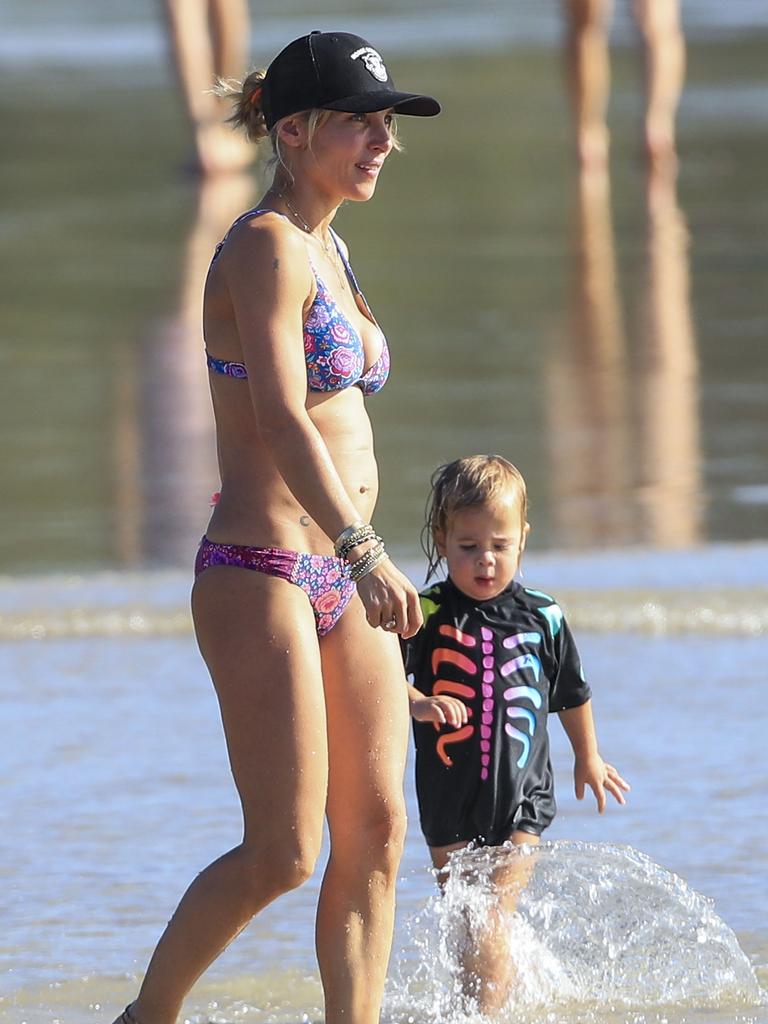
{"x":390,"y":600}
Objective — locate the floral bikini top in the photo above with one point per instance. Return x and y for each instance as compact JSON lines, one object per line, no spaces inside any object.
{"x":332,"y":347}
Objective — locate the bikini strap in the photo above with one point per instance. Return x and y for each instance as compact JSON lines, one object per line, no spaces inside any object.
{"x":345,"y":261}
{"x":256,"y":212}
{"x":350,"y":272}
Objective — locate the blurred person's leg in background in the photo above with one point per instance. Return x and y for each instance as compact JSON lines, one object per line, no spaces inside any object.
{"x":664,"y":49}
{"x":589,"y":76}
{"x":588,"y":62}
{"x":208,"y":40}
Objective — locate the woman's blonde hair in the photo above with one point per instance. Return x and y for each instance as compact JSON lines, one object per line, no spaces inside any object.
{"x":476,"y":481}
{"x":248,"y":113}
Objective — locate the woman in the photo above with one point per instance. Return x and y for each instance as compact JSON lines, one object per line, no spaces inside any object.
{"x":312,"y":698}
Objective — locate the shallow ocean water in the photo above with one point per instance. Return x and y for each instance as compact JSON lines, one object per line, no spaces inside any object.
{"x":117,"y":792}
{"x":611,"y":341}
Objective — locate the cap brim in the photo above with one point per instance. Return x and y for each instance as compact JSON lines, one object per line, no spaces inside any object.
{"x":401,"y":103}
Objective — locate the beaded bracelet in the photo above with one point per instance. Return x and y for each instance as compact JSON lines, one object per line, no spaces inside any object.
{"x":348,"y":547}
{"x":352,"y":536}
{"x":362,"y":566}
{"x":366,"y":565}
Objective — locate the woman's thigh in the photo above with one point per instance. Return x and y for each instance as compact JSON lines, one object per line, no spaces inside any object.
{"x":367,"y":706}
{"x":257,"y":636}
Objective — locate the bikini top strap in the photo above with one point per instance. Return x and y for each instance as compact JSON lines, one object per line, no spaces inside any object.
{"x":347,"y":265}
{"x":256,"y":212}
{"x":351,"y":274}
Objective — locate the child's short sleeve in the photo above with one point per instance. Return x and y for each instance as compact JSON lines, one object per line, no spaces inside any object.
{"x":411,"y":650}
{"x":568,"y":687}
{"x":414,"y":650}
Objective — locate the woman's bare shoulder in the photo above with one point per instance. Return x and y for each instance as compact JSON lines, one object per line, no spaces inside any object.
{"x":265,"y":244}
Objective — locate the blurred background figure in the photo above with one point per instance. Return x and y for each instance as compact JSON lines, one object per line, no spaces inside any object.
{"x":209,"y":39}
{"x":623,"y":406}
{"x":667,"y":372}
{"x":589,"y":72}
{"x":179,"y":469}
{"x":164,"y":448}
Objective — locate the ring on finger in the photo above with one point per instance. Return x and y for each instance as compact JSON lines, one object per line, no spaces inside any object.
{"x":390,"y":624}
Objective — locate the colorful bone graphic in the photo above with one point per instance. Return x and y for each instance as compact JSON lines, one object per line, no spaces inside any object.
{"x":452,"y":737}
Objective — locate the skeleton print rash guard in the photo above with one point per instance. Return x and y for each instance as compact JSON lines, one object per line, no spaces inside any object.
{"x":512,"y":660}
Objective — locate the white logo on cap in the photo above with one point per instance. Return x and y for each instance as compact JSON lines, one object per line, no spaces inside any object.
{"x":372,"y":61}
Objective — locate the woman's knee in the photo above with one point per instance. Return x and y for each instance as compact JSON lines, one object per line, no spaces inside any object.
{"x":391,"y":831}
{"x":375,"y":839}
{"x":279,"y":866}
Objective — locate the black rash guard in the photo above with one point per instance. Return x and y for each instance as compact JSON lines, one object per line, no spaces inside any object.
{"x":512,"y":660}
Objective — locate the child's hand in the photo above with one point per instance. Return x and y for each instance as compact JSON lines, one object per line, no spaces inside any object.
{"x":442,"y":710}
{"x":601,"y":778}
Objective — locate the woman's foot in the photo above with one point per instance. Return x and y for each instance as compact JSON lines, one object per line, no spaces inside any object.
{"x":127,"y":1017}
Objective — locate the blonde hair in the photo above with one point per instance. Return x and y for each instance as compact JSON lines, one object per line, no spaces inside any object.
{"x":476,"y":481}
{"x":248,"y":114}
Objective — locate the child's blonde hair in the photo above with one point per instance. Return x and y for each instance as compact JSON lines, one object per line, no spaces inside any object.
{"x":475,"y":481}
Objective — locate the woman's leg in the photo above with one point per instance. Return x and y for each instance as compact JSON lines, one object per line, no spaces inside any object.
{"x":257,"y":636}
{"x":367,"y":708}
{"x":487,"y":970}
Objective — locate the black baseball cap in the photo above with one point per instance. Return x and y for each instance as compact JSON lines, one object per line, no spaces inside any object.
{"x":334,"y":71}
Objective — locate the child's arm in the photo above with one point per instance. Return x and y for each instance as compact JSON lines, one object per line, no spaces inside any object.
{"x":589,"y":768}
{"x":442,"y":710}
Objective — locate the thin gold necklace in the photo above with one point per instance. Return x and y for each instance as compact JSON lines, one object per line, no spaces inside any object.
{"x":330,"y":248}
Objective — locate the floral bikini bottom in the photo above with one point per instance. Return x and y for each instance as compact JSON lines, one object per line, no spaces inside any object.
{"x":323,"y":578}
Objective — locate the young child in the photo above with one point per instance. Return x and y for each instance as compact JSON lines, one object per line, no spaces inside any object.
{"x":492,"y":660}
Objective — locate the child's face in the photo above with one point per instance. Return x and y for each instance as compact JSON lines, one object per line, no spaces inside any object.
{"x":482,"y":547}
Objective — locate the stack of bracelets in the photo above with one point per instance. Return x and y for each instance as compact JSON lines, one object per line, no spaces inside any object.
{"x":349,"y":538}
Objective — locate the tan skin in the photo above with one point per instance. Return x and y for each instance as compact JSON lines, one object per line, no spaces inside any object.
{"x":658,"y":22}
{"x":208,"y":40}
{"x":482,"y":547}
{"x":315,"y":727}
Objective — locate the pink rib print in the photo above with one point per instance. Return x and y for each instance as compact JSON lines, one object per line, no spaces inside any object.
{"x":486,"y":720}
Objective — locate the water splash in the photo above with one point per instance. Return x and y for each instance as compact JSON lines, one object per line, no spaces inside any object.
{"x":598,"y":928}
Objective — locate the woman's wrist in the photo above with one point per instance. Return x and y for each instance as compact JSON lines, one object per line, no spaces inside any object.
{"x":351,"y":537}
{"x":368,"y":562}
{"x":360,"y":549}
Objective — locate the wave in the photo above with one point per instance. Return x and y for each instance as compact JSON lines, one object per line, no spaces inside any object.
{"x":156,"y":603}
